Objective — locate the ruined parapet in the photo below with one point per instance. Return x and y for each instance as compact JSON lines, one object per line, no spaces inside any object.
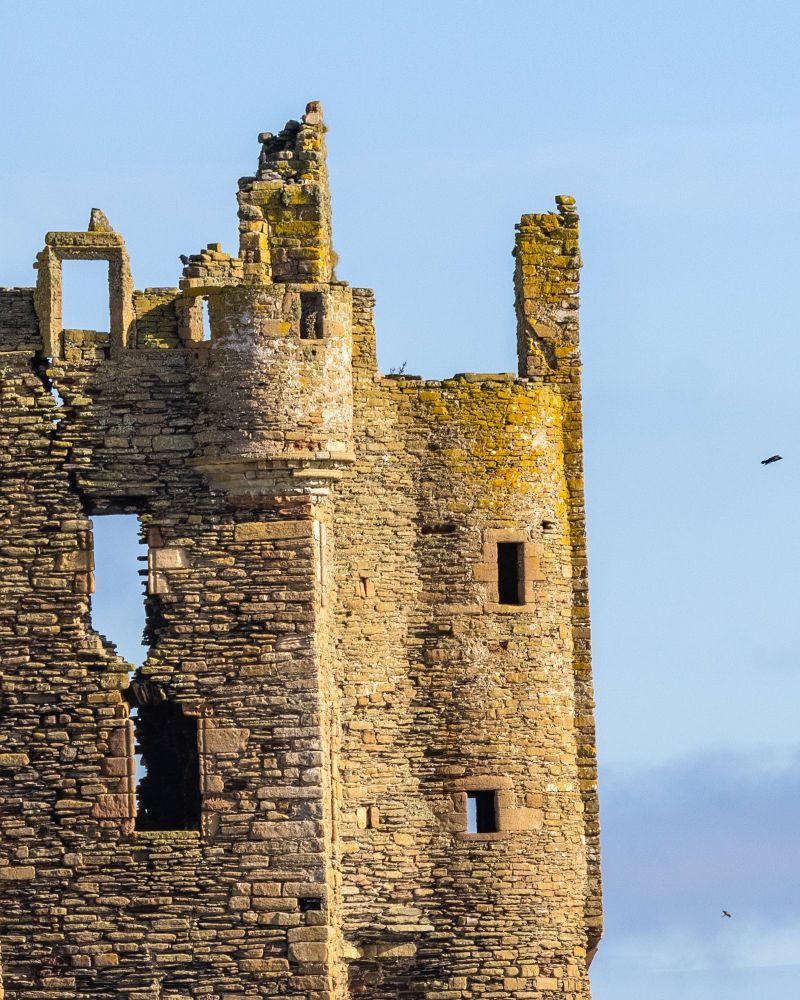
{"x":212,"y":268}
{"x":546,"y":278}
{"x":285,"y":210}
{"x":100,"y":242}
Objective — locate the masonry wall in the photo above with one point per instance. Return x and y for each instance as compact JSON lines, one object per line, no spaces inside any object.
{"x":322,"y":612}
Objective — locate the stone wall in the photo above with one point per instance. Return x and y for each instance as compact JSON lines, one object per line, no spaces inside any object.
{"x":336,"y":674}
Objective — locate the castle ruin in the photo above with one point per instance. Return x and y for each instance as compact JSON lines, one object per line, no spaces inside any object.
{"x":366,"y":713}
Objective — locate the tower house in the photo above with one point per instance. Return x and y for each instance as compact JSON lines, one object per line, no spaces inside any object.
{"x":366,"y":712}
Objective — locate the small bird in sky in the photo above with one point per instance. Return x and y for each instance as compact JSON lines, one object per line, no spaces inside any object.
{"x":725,"y":913}
{"x":184,"y":259}
{"x":771,"y":459}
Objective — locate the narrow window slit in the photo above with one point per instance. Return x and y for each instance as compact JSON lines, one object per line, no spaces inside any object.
{"x":482,"y":811}
{"x":206,"y":320}
{"x":510,"y":573}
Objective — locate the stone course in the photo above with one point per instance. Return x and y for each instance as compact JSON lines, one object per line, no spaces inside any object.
{"x":332,"y":659}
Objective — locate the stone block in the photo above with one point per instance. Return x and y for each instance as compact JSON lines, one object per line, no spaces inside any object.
{"x":112,"y":805}
{"x":19,"y":873}
{"x":168,"y":558}
{"x":253,"y":531}
{"x":227,"y":740}
{"x":315,"y":952}
{"x":106,"y":960}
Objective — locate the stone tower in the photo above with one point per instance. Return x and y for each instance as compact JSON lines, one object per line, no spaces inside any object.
{"x":365,"y":715}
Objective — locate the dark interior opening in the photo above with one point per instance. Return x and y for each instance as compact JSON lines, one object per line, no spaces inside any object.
{"x":309,"y":903}
{"x":441,"y":528}
{"x":509,"y":572}
{"x":481,"y":812}
{"x":310,"y":316}
{"x":169,"y":790}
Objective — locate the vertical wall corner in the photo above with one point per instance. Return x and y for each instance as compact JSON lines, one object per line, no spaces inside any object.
{"x":546,"y":282}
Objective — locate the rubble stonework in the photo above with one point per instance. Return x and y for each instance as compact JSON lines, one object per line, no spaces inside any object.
{"x":366,"y":615}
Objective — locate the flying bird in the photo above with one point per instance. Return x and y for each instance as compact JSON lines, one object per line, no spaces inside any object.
{"x":725,"y":913}
{"x":771,"y":459}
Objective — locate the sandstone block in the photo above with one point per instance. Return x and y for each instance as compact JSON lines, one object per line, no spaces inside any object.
{"x":19,"y":873}
{"x":309,"y":951}
{"x":249,"y":531}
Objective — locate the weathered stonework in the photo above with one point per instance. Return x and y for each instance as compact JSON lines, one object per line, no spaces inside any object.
{"x":367,"y":615}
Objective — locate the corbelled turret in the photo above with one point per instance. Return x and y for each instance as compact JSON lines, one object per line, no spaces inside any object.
{"x":275,"y":378}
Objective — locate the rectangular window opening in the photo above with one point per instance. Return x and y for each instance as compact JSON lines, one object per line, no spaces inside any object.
{"x":510,"y":573}
{"x":310,"y":316}
{"x":85,"y":295}
{"x":482,"y":811}
{"x":118,"y":609}
{"x":168,"y":789}
{"x":117,"y":605}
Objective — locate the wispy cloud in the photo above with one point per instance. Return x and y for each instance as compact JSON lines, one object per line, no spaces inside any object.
{"x":684,"y":841}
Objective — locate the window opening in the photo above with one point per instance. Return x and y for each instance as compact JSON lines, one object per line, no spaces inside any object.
{"x":310,"y":316}
{"x":85,"y":295}
{"x":118,"y":609}
{"x":309,"y":903}
{"x":206,"y":320}
{"x":56,"y":413}
{"x":442,"y":528}
{"x":509,"y":573}
{"x":168,"y":793}
{"x":118,"y":603}
{"x":59,"y":403}
{"x":481,"y":812}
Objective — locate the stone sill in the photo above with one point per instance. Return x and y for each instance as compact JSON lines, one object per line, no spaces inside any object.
{"x":483,"y":837}
{"x":191,"y":838}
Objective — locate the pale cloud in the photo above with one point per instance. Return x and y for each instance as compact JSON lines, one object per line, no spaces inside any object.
{"x":684,"y":841}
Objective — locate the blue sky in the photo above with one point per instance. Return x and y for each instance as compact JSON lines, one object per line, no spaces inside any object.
{"x":675,"y":127}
